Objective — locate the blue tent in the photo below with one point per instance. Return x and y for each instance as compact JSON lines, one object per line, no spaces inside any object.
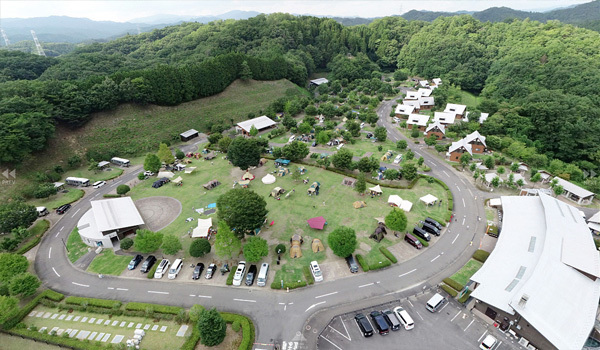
{"x":212,"y":205}
{"x":280,"y":161}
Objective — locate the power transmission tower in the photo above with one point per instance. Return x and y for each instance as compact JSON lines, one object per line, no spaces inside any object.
{"x":6,"y":41}
{"x":37,"y":44}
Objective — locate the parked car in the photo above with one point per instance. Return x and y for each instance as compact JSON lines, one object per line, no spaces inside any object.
{"x":436,"y":302}
{"x":434,"y":223}
{"x":162,"y":268}
{"x":148,"y":263}
{"x":488,"y":342}
{"x":352,"y":265}
{"x":398,"y":159}
{"x":404,"y":318}
{"x":263,"y":274}
{"x":417,"y":231}
{"x":239,"y":273}
{"x":391,"y":319}
{"x":412,"y":240}
{"x":316,"y":271}
{"x":99,"y":184}
{"x":365,"y":326}
{"x":430,"y":228}
{"x":63,"y":209}
{"x":380,"y":323}
{"x":198,"y":271}
{"x":135,"y":262}
{"x":251,"y":275}
{"x":210,"y":271}
{"x":148,"y":173}
{"x":175,"y":268}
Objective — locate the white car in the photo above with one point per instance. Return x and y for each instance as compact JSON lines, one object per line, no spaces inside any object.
{"x":292,"y":138}
{"x":316,"y":271}
{"x":488,"y":342}
{"x":239,"y":273}
{"x":398,"y":159}
{"x":404,"y":318}
{"x":148,"y":173}
{"x":99,"y":184}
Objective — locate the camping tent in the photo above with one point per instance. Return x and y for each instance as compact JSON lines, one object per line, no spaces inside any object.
{"x":244,"y":183}
{"x":395,"y":200}
{"x":178,"y":180}
{"x":406,"y":206}
{"x":295,"y":250}
{"x":428,"y":199}
{"x":190,"y":169}
{"x":376,"y":190}
{"x":283,"y":171}
{"x":280,"y":162}
{"x":317,"y":223}
{"x":248,"y":176}
{"x":359,"y":204}
{"x":211,"y":184}
{"x":203,"y":229}
{"x":317,"y":246}
{"x":276,"y":192}
{"x":379,"y":232}
{"x":268,"y":179}
{"x":166,"y":174}
{"x":302,"y":170}
{"x":262,"y":162}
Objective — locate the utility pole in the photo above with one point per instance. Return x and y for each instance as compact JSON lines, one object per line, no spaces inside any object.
{"x":37,"y":44}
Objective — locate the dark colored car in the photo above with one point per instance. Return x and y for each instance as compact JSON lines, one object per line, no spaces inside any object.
{"x":251,"y":275}
{"x":430,"y":228}
{"x":198,"y":271}
{"x":148,"y":263}
{"x":210,"y":271}
{"x":391,"y":319}
{"x":135,"y":262}
{"x":417,"y":231}
{"x":434,"y":223}
{"x":352,"y":265}
{"x":412,"y":240}
{"x":63,"y":209}
{"x":364,"y":325}
{"x":380,"y":322}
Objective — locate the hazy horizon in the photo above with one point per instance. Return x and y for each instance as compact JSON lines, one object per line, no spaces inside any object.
{"x":123,"y":11}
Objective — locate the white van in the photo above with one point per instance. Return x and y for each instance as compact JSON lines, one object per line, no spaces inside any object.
{"x":404,"y":318}
{"x":162,"y":268}
{"x":42,"y":211}
{"x":175,"y":268}
{"x":435,"y":303}
{"x":263,"y":274}
{"x":239,"y":273}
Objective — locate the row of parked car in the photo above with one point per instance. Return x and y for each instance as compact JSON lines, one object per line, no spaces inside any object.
{"x":163,"y":267}
{"x":428,"y":227}
{"x":263,"y":274}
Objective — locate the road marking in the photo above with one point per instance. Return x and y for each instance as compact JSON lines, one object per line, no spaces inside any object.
{"x":340,"y":333}
{"x":455,"y":316}
{"x":406,"y":273}
{"x":455,"y":238}
{"x":444,"y":171}
{"x":458,"y":188}
{"x":61,"y":229}
{"x":470,"y":192}
{"x":246,"y":300}
{"x":366,"y":285}
{"x":53,"y":269}
{"x":498,"y":347}
{"x":284,"y":307}
{"x":464,"y":204}
{"x":155,"y":292}
{"x":326,"y":295}
{"x":205,"y":296}
{"x":343,"y":324}
{"x":75,"y":213}
{"x":330,"y":342}
{"x":483,"y":335}
{"x":411,"y":304}
{"x":433,"y":164}
{"x":49,"y":252}
{"x":313,"y":305}
{"x":57,"y":233}
{"x":463,"y":181}
{"x":111,"y":287}
{"x":432,"y":260}
{"x":473,"y":320}
{"x":419,"y":315}
{"x":123,"y":289}
{"x":192,"y":295}
{"x":443,"y":307}
{"x":81,"y":285}
{"x":463,"y":222}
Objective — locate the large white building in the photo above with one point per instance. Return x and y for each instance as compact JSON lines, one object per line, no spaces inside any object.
{"x":108,"y":221}
{"x":543,"y":273}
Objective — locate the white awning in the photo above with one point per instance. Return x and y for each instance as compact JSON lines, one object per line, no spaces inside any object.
{"x":428,"y":199}
{"x":177,"y":180}
{"x":395,"y":199}
{"x":406,"y":206}
{"x":203,"y":228}
{"x":166,"y":174}
{"x":190,"y":170}
{"x":376,"y":189}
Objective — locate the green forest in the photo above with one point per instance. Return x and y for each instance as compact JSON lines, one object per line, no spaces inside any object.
{"x":539,"y":81}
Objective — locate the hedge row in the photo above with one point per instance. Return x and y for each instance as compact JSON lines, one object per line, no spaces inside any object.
{"x":448,"y":193}
{"x":362,"y":262}
{"x":248,"y":332}
{"x":452,"y":283}
{"x":424,"y":242}
{"x":379,"y":265}
{"x":231,"y":275}
{"x":17,"y":315}
{"x":36,"y":239}
{"x":72,"y":343}
{"x":388,"y":254}
{"x":192,"y":341}
{"x":161,"y":309}
{"x":108,"y":304}
{"x":449,"y":290}
{"x":464,"y":298}
{"x":290,"y":285}
{"x":94,"y":309}
{"x":108,"y":195}
{"x":308,"y":275}
{"x":481,"y":255}
{"x":152,"y":271}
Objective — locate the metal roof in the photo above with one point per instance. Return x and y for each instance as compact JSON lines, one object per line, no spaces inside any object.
{"x":444,"y":117}
{"x":418,"y":119}
{"x":454,"y":108}
{"x":259,"y":123}
{"x":319,"y":81}
{"x":189,"y":133}
{"x":404,"y":109}
{"x":544,"y":267}
{"x":576,"y":190}
{"x":115,"y":213}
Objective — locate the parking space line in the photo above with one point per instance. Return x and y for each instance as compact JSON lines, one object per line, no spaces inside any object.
{"x":330,"y":342}
{"x":419,"y":315}
{"x":325,"y":295}
{"x":500,"y":343}
{"x":443,"y":307}
{"x":411,"y":304}
{"x":343,"y":324}
{"x":483,"y":335}
{"x":473,"y":320}
{"x":455,"y":316}
{"x":454,"y":240}
{"x":338,"y":332}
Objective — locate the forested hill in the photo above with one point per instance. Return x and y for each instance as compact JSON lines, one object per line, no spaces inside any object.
{"x":542,"y":80}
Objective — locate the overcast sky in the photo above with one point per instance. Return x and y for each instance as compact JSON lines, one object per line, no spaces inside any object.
{"x":122,"y":11}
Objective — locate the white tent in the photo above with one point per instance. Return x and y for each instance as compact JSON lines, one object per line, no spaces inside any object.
{"x":495,"y":202}
{"x":166,"y":174}
{"x":406,"y":206}
{"x":376,"y":189}
{"x":395,"y":200}
{"x":428,"y":199}
{"x":268,"y":179}
{"x":190,"y":170}
{"x":203,"y":229}
{"x":177,"y":180}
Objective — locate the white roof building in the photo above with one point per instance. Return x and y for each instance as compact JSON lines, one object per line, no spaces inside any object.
{"x":444,"y":118}
{"x":483,"y":117}
{"x":259,"y":123}
{"x":424,"y":92}
{"x":424,"y":83}
{"x":545,"y":268}
{"x":404,"y":109}
{"x":319,"y":81}
{"x":413,"y":103}
{"x":456,"y":109}
{"x":475,"y":136}
{"x":458,"y":144}
{"x":418,"y":120}
{"x":412,"y":95}
{"x":574,"y":192}
{"x":594,"y":222}
{"x":437,"y":81}
{"x":427,"y":101}
{"x":435,"y":125}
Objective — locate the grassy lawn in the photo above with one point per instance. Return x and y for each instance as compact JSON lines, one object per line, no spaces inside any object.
{"x":464,"y":274}
{"x":10,"y":342}
{"x":108,"y":263}
{"x":39,"y":227}
{"x":95,"y":175}
{"x":154,"y":340}
{"x":75,"y":246}
{"x":59,"y":199}
{"x":469,"y":99}
{"x":362,"y":146}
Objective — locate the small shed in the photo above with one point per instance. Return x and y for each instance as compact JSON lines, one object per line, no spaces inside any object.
{"x":349,"y":181}
{"x":188,"y":135}
{"x":103,"y":164}
{"x":317,"y":246}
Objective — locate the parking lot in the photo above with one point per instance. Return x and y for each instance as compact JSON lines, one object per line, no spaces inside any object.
{"x":452,"y":327}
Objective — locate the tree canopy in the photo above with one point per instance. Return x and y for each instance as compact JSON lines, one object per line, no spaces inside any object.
{"x":342,"y":241}
{"x":243,"y":210}
{"x":11,"y":265}
{"x":152,"y":163}
{"x":396,"y":220}
{"x":171,"y":245}
{"x":255,"y":249}
{"x":147,"y":241}
{"x":212,"y":327}
{"x":243,"y":152}
{"x":16,"y":214}
{"x":200,"y":247}
{"x":226,"y":243}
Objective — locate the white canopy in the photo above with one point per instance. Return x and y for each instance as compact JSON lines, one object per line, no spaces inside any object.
{"x":406,"y":206}
{"x":376,"y":189}
{"x":428,"y":199}
{"x":395,"y":199}
{"x":177,"y":180}
{"x":268,"y":179}
{"x":190,"y":170}
{"x":166,"y":174}
{"x":203,"y":228}
{"x":495,"y":202}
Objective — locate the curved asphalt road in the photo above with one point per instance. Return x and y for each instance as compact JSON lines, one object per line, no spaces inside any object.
{"x":278,"y":316}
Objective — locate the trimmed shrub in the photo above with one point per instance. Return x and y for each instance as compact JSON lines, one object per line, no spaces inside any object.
{"x":107,"y":304}
{"x":449,"y":290}
{"x":161,"y":309}
{"x":17,"y":315}
{"x":126,"y":243}
{"x":194,"y":338}
{"x":108,"y":195}
{"x":236,"y":326}
{"x":152,"y":270}
{"x":248,"y":332}
{"x":481,"y":255}
{"x":230,"y":276}
{"x":388,"y":254}
{"x":452,"y":283}
{"x":464,"y":298}
{"x":29,"y":245}
{"x":308,"y":275}
{"x":379,"y":265}
{"x":362,"y":262}
{"x":424,"y":242}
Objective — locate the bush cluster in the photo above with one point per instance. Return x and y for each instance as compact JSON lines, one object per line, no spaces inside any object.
{"x":230,"y":276}
{"x":248,"y":332}
{"x":388,"y":254}
{"x":481,"y":255}
{"x":17,"y":315}
{"x":108,"y":304}
{"x":449,"y":290}
{"x":161,"y":309}
{"x":377,"y":265}
{"x":424,"y":242}
{"x":362,"y":262}
{"x":452,"y":283}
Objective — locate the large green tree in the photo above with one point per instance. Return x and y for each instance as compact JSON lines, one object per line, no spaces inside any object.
{"x":16,"y":214}
{"x":396,"y":220}
{"x":243,"y":210}
{"x":409,"y":171}
{"x":152,"y":163}
{"x":147,"y":241}
{"x":255,"y":249}
{"x":226,"y":243}
{"x":11,"y":265}
{"x":171,"y":245}
{"x":380,"y":133}
{"x":212,"y":327}
{"x":164,"y":154}
{"x":23,"y":285}
{"x":8,"y":305}
{"x":244,"y":152}
{"x":199,"y":248}
{"x":342,"y":159}
{"x":342,"y":241}
{"x":296,"y":150}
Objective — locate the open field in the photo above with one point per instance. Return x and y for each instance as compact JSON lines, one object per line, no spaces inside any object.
{"x":59,"y":199}
{"x":10,"y":342}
